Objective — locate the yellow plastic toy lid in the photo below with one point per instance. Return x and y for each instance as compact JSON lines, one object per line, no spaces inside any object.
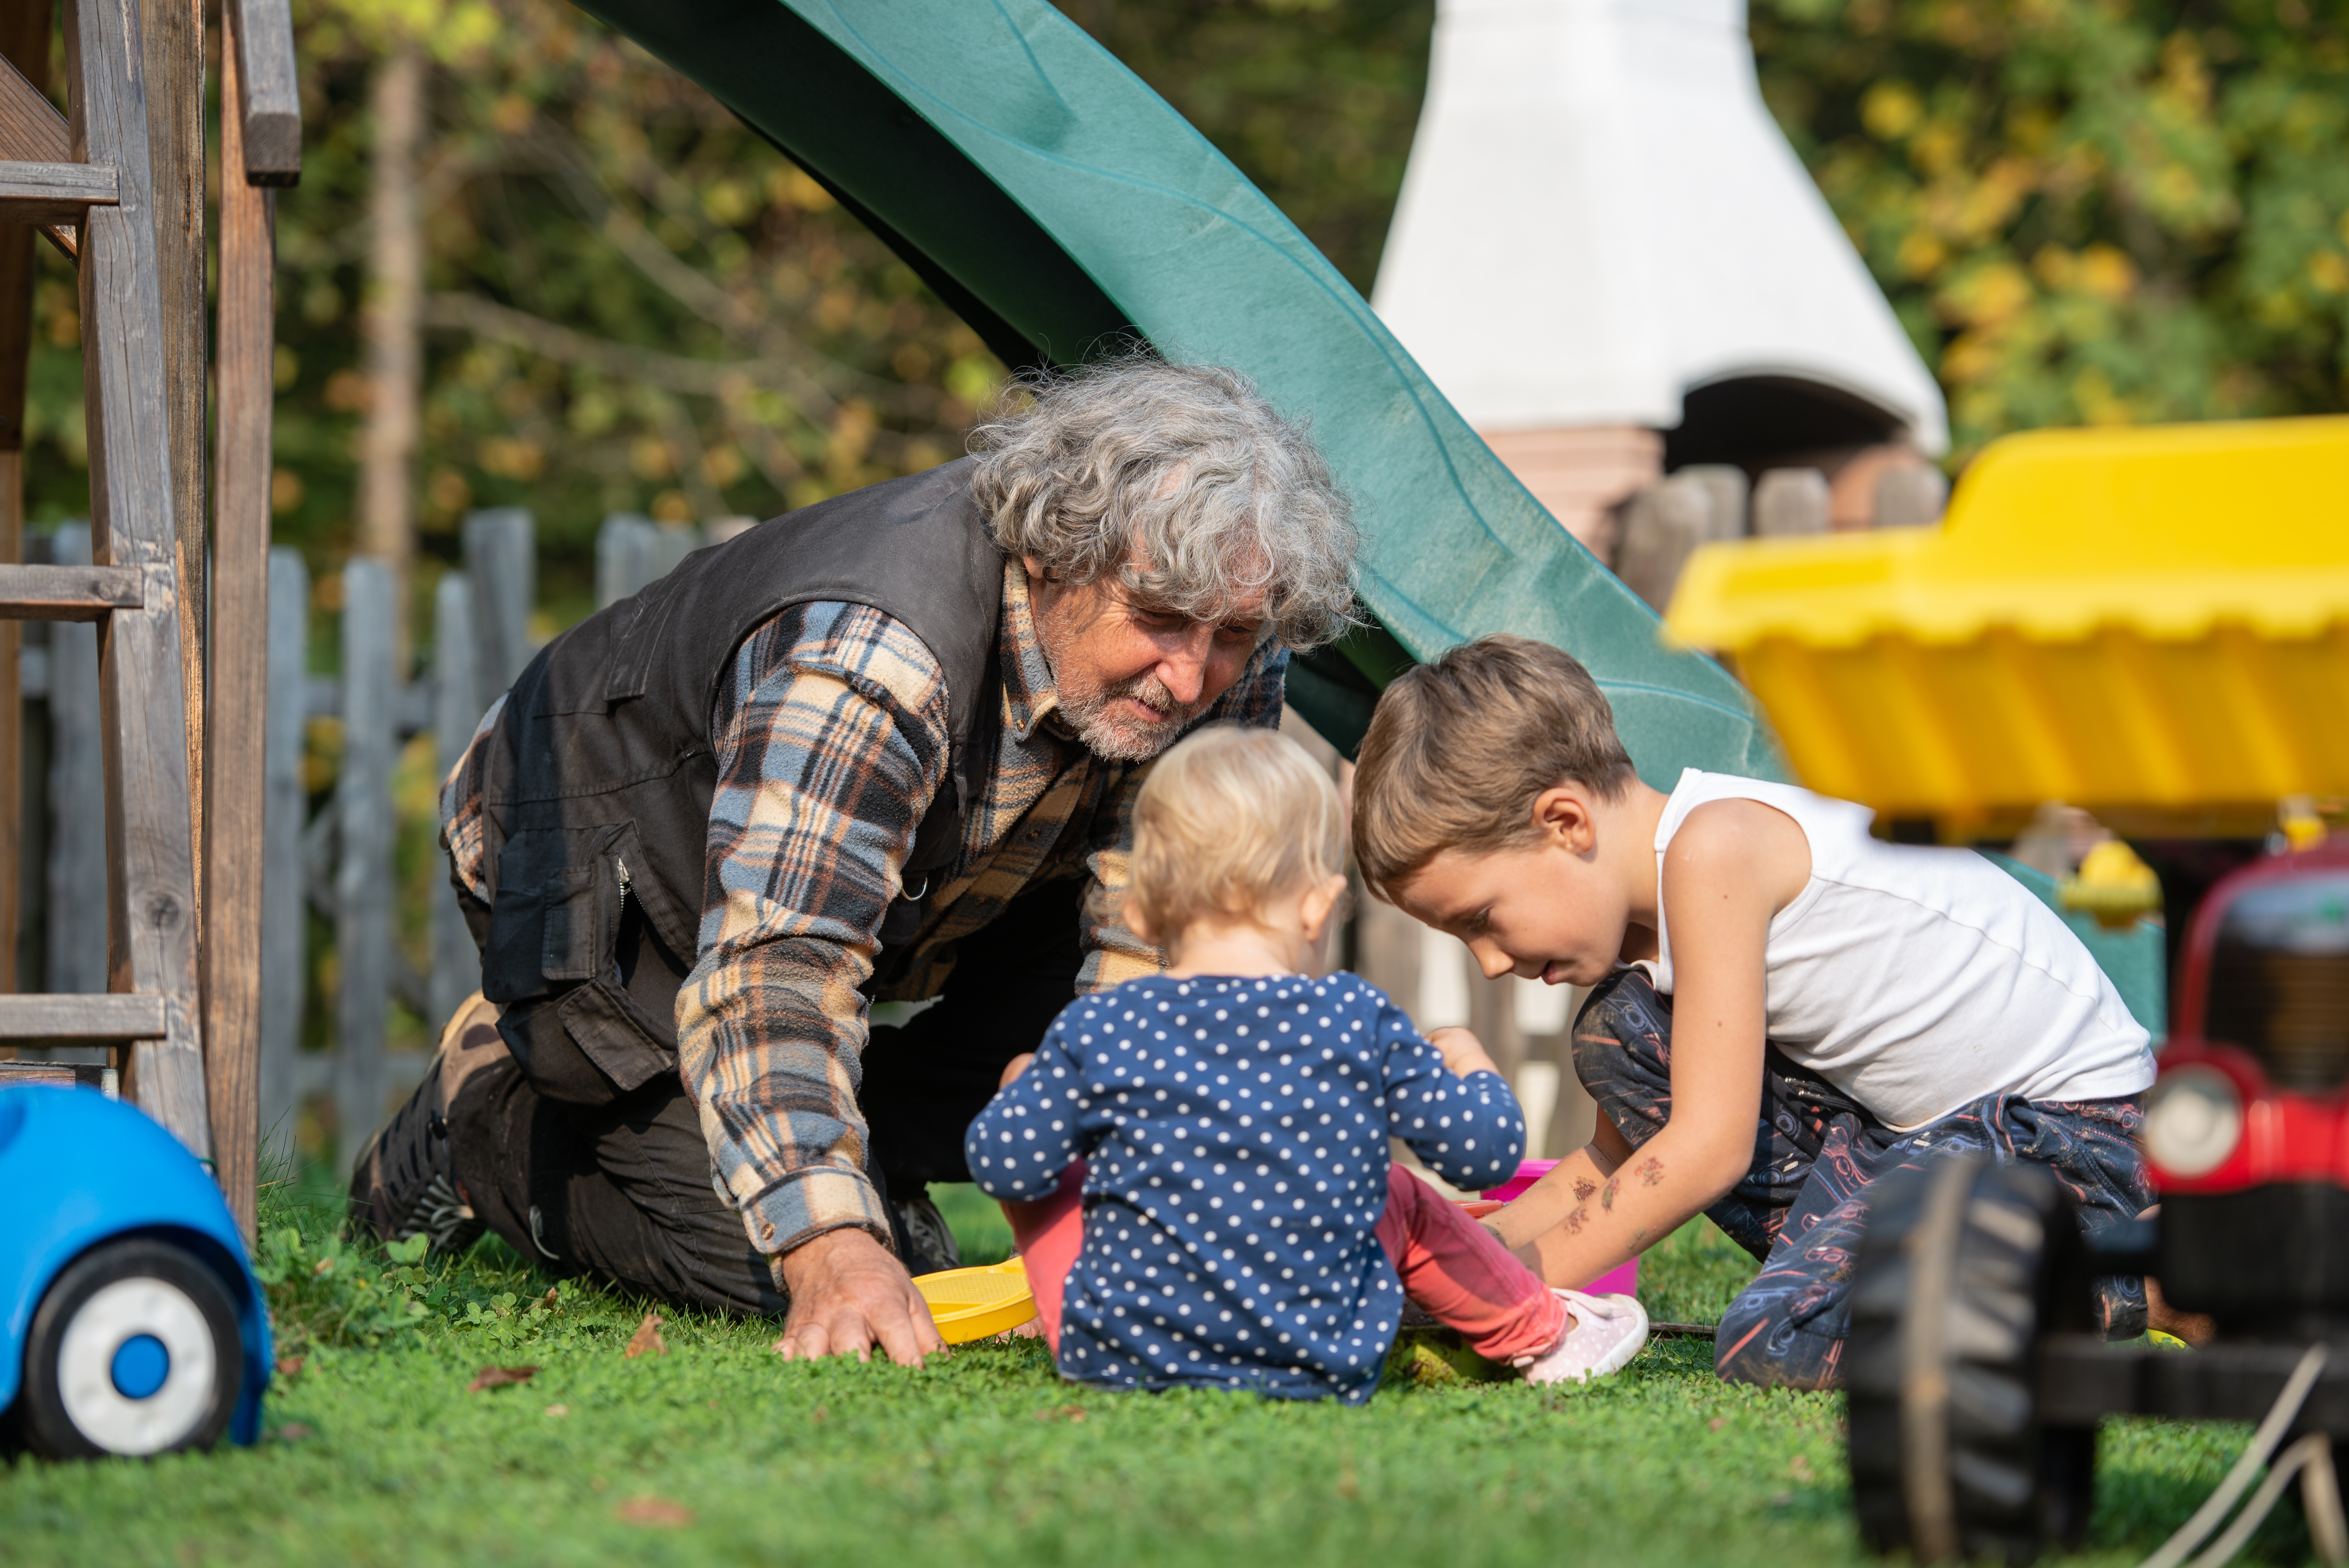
{"x":972,"y":1303}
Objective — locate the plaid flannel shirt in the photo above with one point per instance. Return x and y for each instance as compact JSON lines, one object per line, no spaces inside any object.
{"x":831,"y":738}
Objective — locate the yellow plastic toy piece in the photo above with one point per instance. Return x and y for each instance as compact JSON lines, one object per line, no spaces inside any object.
{"x":972,"y":1303}
{"x":2301,"y":823}
{"x":2114,"y":885}
{"x":2152,"y":624}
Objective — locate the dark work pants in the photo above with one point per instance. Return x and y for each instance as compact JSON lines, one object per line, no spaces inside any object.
{"x":624,"y":1191}
{"x":1803,"y":1202}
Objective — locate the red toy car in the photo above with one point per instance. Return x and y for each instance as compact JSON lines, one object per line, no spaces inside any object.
{"x":1976,"y":1378}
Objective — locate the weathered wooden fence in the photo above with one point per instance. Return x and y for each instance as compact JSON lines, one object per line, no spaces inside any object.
{"x":330,"y":873}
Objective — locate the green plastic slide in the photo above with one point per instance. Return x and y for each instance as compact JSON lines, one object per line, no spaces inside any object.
{"x":1062,"y":208}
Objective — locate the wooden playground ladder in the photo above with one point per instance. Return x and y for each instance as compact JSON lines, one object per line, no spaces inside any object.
{"x":182,"y":973}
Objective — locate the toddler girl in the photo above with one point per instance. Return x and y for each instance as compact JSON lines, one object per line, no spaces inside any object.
{"x":1231,"y":1218}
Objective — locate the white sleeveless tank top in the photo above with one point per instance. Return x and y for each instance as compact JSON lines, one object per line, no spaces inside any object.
{"x":1918,"y":980}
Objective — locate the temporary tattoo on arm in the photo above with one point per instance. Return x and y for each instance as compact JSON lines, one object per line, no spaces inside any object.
{"x":1606,"y":1193}
{"x":1574,"y":1221}
{"x":1583,"y":1188}
{"x":1651,"y":1171}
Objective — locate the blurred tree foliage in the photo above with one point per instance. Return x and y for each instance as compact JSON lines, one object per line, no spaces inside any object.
{"x":2087,"y":211}
{"x":632,"y":301}
{"x":2084,"y":211}
{"x":1315,"y":100}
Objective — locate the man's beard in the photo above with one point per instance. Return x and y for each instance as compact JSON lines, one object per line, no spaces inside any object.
{"x":1119,"y":736}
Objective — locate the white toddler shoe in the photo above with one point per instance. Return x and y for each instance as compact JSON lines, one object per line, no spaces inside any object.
{"x":1602,"y":1337}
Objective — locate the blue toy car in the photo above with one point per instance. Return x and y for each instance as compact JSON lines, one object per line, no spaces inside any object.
{"x":130,"y":1322}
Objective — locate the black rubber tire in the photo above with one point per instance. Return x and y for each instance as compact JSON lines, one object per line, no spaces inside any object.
{"x":1966,"y":1263}
{"x":41,"y":1416}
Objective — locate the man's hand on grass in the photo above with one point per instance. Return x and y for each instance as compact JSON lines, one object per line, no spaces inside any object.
{"x":848,"y":1296}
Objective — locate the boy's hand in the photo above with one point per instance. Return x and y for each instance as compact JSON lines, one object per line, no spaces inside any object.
{"x":1462,"y":1051}
{"x":1014,"y":1068}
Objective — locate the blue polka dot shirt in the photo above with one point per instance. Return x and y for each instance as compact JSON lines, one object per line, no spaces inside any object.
{"x":1235,"y":1131}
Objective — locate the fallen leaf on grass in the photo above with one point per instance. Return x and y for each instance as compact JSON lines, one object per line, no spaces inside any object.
{"x":658,"y":1511}
{"x":819,"y":1414}
{"x":558,"y":1411}
{"x":547,"y":1303}
{"x":1801,"y":1469}
{"x":293,"y":1432}
{"x":646,"y":1340}
{"x":499,"y":1376}
{"x":1062,"y":1413}
{"x":289,"y":1366}
{"x":1717,"y":1424}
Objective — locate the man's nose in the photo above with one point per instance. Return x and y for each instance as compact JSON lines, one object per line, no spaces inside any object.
{"x":1183,"y":666}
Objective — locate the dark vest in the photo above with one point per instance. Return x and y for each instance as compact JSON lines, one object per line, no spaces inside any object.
{"x":600,"y":776}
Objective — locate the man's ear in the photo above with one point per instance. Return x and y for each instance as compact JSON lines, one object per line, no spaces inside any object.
{"x":1565,"y":814}
{"x":1320,"y":903}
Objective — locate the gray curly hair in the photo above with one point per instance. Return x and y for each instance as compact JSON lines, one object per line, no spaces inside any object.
{"x":1180,"y":480}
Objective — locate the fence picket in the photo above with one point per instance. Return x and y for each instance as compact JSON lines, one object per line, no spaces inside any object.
{"x":285,"y":918}
{"x":502,"y":559}
{"x":624,"y":546}
{"x":363,"y":875}
{"x":456,"y":709}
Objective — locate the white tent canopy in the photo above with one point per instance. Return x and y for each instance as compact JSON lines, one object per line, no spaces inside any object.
{"x":1600,"y":217}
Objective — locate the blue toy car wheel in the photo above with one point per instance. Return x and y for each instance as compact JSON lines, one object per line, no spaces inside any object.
{"x":134,"y":1351}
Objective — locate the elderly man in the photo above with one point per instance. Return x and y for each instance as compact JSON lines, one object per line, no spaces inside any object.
{"x":884,"y":749}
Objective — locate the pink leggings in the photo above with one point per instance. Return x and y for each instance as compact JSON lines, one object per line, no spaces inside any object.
{"x":1451,"y":1265}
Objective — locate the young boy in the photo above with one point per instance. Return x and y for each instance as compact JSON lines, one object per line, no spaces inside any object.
{"x":1784,"y":1006}
{"x":1241,"y":1225}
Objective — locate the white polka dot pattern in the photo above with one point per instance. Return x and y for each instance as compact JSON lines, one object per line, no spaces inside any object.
{"x":1235,"y":1131}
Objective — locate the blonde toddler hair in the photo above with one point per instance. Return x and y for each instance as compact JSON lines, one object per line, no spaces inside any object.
{"x":1228,"y":821}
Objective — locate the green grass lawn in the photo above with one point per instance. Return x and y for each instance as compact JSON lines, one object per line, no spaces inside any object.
{"x":718,"y":1452}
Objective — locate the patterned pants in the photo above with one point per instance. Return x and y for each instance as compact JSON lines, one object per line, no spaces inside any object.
{"x":1803,"y":1202}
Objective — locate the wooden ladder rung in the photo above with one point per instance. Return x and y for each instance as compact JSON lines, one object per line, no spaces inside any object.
{"x":54,"y":192}
{"x":67,"y":592}
{"x":104,"y":1018}
{"x":62,"y":1074}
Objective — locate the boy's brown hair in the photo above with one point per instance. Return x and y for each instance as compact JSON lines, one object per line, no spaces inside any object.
{"x":1459,"y":750}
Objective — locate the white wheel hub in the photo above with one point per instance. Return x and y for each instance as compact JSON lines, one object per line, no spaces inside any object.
{"x":119,"y":1313}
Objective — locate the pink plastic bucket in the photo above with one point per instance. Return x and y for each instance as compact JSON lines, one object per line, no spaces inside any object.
{"x":1623,"y":1281}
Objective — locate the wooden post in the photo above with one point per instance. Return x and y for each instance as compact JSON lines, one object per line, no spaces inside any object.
{"x":285,"y":912}
{"x":150,"y":847}
{"x":456,"y":710}
{"x":502,"y":559}
{"x":363,"y":877}
{"x":1790,"y":501}
{"x":268,"y":98}
{"x":1662,"y":526}
{"x":235,"y":745}
{"x":24,"y":44}
{"x":76,"y":905}
{"x":171,"y":33}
